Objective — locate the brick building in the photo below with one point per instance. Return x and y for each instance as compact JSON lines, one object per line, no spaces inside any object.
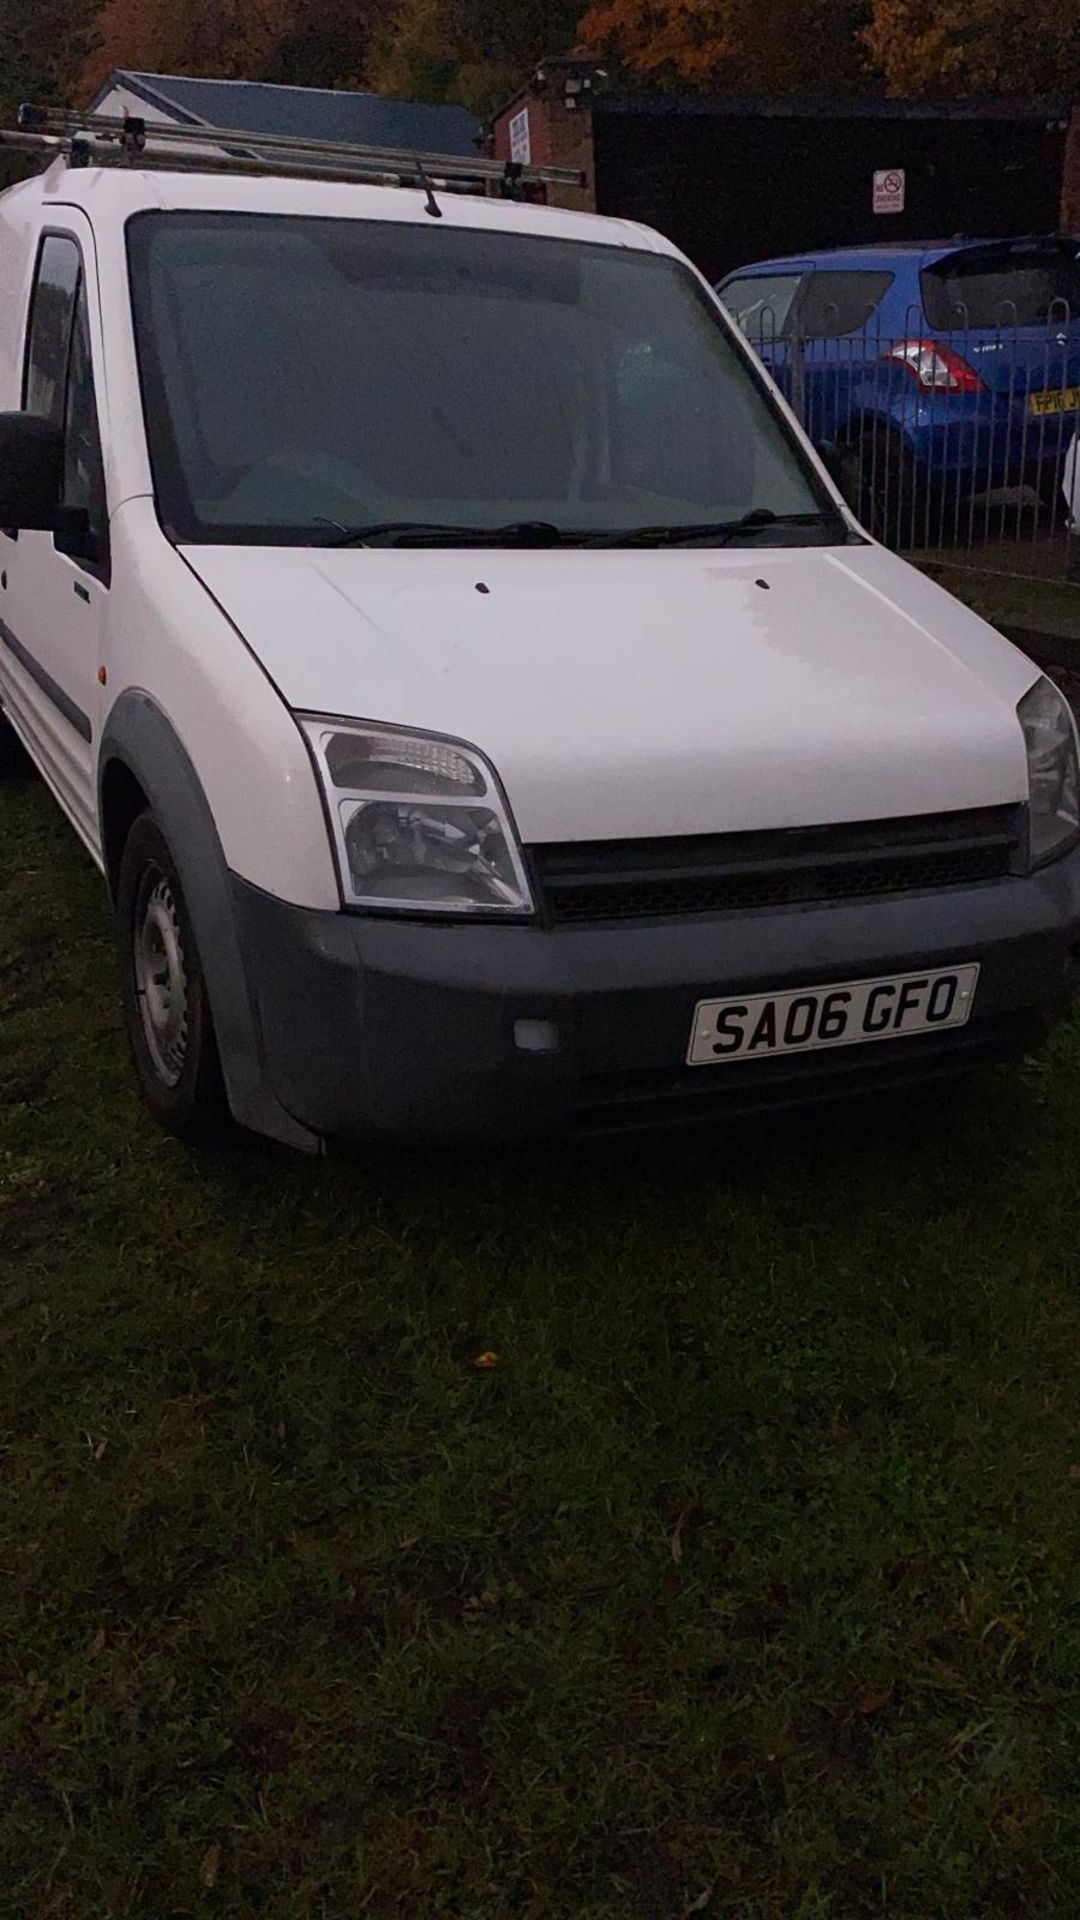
{"x":732,"y":179}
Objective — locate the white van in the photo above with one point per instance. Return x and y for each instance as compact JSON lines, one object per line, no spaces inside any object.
{"x":485,"y":712}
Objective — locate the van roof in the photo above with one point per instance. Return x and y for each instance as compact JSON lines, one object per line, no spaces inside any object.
{"x":114,"y":193}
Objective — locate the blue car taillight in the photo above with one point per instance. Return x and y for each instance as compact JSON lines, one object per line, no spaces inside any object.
{"x":937,"y":368}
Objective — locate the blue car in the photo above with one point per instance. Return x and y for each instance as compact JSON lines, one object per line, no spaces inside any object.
{"x":931,"y":374}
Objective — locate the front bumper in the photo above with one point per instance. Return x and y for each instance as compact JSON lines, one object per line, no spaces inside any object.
{"x":392,"y":1028}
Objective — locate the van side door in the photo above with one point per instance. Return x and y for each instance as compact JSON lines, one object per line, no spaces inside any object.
{"x":55,"y":600}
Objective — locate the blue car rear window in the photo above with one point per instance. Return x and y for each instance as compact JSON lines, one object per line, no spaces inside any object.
{"x":838,"y":302}
{"x":819,"y":305}
{"x":1026,"y":283}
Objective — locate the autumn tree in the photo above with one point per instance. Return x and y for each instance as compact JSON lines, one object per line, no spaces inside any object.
{"x":220,"y":37}
{"x":957,"y":47}
{"x":327,"y":43}
{"x":43,"y":46}
{"x":742,"y":45}
{"x":310,"y":43}
{"x":475,"y":52}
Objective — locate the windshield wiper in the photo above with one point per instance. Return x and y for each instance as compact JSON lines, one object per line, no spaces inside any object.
{"x":720,"y":532}
{"x":761,"y":519}
{"x":434,"y":533}
{"x":544,"y":533}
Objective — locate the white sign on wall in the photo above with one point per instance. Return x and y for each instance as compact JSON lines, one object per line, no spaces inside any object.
{"x":520,"y":143}
{"x":890,"y":188}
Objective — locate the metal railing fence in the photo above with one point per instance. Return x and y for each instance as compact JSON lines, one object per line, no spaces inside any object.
{"x":954,"y":443}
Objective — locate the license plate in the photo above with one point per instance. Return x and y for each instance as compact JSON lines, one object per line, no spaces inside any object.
{"x":1055,"y":400}
{"x":846,"y":1014}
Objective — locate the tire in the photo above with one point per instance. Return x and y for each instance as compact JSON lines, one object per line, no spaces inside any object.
{"x":885,"y":490}
{"x":166,"y":1007}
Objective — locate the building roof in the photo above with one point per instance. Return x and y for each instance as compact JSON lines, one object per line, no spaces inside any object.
{"x":365,"y":119}
{"x":731,"y":106}
{"x":608,"y":96}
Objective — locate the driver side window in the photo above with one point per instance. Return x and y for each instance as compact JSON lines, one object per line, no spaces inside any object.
{"x":59,"y":386}
{"x":52,"y":314}
{"x":84,"y":475}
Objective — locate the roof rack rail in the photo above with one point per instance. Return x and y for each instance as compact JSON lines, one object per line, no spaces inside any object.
{"x":98,"y":139}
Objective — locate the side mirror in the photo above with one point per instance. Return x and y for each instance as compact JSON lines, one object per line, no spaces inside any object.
{"x":31,"y":472}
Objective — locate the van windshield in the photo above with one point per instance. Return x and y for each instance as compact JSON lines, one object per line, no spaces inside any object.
{"x":306,"y":379}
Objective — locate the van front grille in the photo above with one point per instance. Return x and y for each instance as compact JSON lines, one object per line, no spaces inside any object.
{"x":803,"y":866}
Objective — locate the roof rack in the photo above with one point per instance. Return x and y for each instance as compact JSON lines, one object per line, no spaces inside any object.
{"x":98,"y":139}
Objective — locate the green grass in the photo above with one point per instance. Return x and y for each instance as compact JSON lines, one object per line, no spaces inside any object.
{"x":1006,"y":588}
{"x":747,"y":1582}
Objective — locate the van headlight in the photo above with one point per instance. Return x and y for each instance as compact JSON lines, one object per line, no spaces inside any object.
{"x":420,"y":825}
{"x":1053,"y":774}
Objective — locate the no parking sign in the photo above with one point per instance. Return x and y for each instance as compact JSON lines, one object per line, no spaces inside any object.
{"x":890,"y":187}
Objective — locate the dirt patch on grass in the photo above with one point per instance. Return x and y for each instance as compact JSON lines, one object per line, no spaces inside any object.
{"x":33,"y":1216}
{"x":25,"y":977}
{"x":649,"y":1876}
{"x":462,"y":1732}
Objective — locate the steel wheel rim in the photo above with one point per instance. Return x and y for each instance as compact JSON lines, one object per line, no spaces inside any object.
{"x":161,"y":978}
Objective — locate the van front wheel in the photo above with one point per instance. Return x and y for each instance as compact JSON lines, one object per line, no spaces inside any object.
{"x":166,"y":1008}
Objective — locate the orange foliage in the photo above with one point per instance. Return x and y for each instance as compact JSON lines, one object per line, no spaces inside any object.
{"x":223,"y":38}
{"x":476,"y":52}
{"x":809,"y":45}
{"x":479,"y":50}
{"x":956,"y":47}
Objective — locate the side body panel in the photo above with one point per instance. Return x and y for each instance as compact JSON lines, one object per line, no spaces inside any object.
{"x":168,"y":639}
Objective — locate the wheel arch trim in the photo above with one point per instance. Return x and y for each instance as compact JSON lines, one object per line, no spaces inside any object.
{"x":139,"y":736}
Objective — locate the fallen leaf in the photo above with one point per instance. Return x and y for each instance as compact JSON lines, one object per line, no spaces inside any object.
{"x":99,"y":1450}
{"x":1074,"y":1473}
{"x":676,"y":1538}
{"x":97,"y":1644}
{"x":280,"y":1430}
{"x":872,"y":1702}
{"x":969,"y":1733}
{"x":486,"y":1360}
{"x":699,"y":1905}
{"x":211,"y":1865}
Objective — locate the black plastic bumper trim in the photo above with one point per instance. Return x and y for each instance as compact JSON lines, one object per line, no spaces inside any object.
{"x":403,"y":1030}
